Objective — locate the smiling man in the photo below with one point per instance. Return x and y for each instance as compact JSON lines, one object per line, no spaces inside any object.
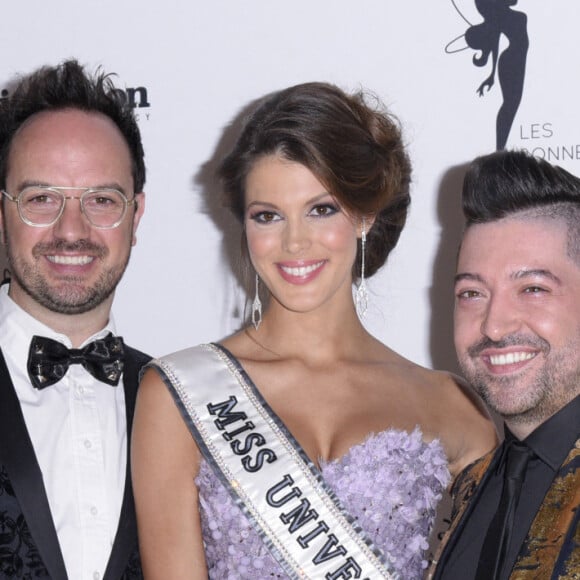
{"x":71,"y":177}
{"x":517,"y":335}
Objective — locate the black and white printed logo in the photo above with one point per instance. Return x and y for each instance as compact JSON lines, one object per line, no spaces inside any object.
{"x":137,"y":98}
{"x":506,"y":63}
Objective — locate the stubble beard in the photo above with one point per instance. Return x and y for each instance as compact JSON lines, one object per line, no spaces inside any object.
{"x":69,"y":295}
{"x":554,"y":385}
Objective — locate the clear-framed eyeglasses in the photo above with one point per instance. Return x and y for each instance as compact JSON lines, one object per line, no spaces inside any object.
{"x":41,"y":206}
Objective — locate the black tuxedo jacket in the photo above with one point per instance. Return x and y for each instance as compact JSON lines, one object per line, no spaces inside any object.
{"x":29,"y":545}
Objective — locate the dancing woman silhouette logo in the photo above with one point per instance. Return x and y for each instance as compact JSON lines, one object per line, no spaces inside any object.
{"x":498,"y":18}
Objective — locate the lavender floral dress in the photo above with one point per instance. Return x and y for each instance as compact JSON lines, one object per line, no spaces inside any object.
{"x":390,"y":484}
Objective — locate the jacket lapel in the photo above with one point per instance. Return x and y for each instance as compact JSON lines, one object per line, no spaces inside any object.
{"x":547,"y":547}
{"x":465,"y":493}
{"x":126,"y":538}
{"x":17,"y":454}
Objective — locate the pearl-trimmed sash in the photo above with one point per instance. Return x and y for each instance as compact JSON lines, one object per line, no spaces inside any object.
{"x":267,"y":473}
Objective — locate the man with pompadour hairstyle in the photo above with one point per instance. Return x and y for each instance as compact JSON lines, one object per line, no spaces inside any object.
{"x":517,"y":333}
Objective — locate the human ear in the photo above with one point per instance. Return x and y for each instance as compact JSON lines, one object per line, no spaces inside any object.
{"x":365,"y":223}
{"x":138,"y":214}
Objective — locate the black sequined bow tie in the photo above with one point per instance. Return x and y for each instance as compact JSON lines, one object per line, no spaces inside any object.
{"x":48,"y":360}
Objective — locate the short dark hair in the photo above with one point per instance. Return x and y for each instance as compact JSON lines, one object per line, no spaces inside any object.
{"x":517,"y":184}
{"x":68,"y":86}
{"x":352,"y":147}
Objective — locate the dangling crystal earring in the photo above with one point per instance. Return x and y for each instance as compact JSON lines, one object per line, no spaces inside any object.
{"x":361,"y":297}
{"x":257,"y":307}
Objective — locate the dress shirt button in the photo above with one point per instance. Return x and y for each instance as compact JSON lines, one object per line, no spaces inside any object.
{"x":94,"y":511}
{"x":80,"y":390}
{"x":96,"y":575}
{"x":88,"y":443}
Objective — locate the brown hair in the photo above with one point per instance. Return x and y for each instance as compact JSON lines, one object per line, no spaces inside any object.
{"x":353,"y":148}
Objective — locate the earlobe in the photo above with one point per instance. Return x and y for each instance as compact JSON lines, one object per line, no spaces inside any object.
{"x":365,"y":224}
{"x":139,"y":210}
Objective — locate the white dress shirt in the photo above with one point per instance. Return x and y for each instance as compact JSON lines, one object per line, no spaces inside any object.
{"x":79,"y":432}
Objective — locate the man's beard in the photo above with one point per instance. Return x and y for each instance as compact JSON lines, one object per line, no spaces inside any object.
{"x":556,"y":383}
{"x":69,"y":296}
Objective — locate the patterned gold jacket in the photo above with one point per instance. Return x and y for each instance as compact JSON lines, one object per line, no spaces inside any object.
{"x":551,"y":550}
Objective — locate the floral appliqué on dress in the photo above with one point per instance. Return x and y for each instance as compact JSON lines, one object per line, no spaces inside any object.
{"x":390,"y":484}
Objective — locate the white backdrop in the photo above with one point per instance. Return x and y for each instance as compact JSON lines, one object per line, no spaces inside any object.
{"x":202,"y":63}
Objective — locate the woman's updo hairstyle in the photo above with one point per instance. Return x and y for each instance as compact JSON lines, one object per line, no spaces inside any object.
{"x":353,"y":148}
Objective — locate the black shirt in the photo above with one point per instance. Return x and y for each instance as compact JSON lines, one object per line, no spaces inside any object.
{"x":550,"y":442}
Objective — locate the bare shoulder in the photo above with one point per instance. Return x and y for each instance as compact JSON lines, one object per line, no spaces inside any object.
{"x":465,"y":425}
{"x":236,"y":343}
{"x":246,"y":348}
{"x":157,"y":416}
{"x":449,"y":410}
{"x":153,"y":393}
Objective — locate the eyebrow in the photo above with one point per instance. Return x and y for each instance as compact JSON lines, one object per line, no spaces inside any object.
{"x":274,"y":206}
{"x":34,"y":182}
{"x":467,"y":276}
{"x":519,"y":275}
{"x":539,"y":272}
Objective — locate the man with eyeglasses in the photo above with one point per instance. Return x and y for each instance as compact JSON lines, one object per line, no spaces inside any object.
{"x":71,"y":174}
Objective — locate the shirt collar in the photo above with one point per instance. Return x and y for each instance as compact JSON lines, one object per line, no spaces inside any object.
{"x":554,"y":438}
{"x":17,"y":324}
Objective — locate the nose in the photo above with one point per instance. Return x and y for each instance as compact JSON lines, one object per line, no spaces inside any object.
{"x":72,"y":224}
{"x":296,"y":236}
{"x":501,"y":318}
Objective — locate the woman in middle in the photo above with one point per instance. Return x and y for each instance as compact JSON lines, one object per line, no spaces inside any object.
{"x":302,"y":446}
